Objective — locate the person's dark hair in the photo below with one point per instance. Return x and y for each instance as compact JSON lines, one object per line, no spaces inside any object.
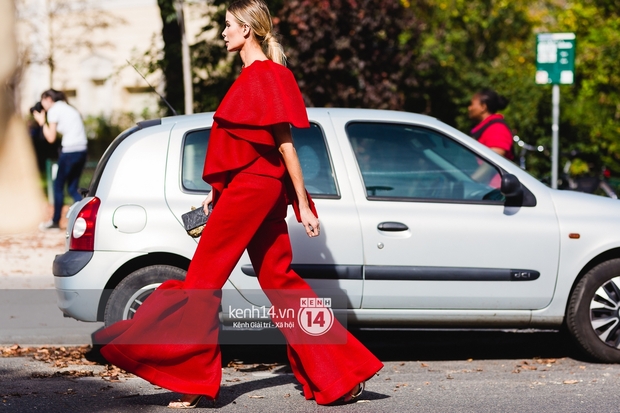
{"x":56,"y":95}
{"x":492,"y":100}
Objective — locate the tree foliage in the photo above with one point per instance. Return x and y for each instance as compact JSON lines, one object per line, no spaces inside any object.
{"x":351,"y":53}
{"x":431,"y":56}
{"x":591,"y":107}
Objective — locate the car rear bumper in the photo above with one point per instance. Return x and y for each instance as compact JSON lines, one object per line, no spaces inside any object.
{"x":70,"y":263}
{"x":80,"y":278}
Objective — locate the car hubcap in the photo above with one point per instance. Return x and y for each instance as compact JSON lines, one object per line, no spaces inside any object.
{"x":604,"y":312}
{"x":137,"y":299}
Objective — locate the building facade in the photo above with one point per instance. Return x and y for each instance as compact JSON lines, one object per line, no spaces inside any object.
{"x":83,"y":47}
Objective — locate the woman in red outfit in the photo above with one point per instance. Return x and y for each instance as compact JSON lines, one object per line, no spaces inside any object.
{"x":491,"y":130}
{"x":254,"y":171}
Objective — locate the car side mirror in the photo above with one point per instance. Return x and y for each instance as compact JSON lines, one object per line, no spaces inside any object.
{"x":511,"y":186}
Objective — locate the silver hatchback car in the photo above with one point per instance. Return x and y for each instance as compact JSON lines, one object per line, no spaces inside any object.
{"x":421,"y":226}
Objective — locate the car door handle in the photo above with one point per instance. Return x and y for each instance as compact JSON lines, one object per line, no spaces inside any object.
{"x":392,"y":226}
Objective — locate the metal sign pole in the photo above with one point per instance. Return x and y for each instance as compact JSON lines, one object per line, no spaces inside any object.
{"x":555,"y":64}
{"x":555,"y":131}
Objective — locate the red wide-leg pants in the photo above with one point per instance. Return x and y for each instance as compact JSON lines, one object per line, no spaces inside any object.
{"x":172,"y":340}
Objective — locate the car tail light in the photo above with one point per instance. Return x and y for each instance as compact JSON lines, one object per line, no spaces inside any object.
{"x":83,"y":233}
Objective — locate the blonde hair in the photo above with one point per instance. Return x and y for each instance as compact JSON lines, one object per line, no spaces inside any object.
{"x":255,"y":14}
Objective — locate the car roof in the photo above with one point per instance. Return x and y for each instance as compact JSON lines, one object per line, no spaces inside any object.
{"x":361,"y":114}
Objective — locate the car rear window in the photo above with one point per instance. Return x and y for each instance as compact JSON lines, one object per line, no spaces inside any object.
{"x":311,"y":149}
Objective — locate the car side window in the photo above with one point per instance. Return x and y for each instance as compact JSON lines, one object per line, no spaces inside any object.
{"x":409,"y":162}
{"x":311,"y":149}
{"x":194,"y":152}
{"x":316,"y":164}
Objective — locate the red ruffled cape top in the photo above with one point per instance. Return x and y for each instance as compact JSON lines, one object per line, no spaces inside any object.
{"x":264,"y":95}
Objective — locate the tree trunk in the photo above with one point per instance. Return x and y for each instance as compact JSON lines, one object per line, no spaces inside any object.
{"x":171,"y":64}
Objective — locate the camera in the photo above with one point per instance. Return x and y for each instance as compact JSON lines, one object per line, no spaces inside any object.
{"x":38,"y":107}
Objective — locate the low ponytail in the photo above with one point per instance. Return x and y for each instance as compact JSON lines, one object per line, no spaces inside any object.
{"x":255,"y":14}
{"x":273,"y":49}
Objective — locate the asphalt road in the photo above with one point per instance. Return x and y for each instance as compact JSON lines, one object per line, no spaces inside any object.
{"x":31,"y":316}
{"x":425,"y":371}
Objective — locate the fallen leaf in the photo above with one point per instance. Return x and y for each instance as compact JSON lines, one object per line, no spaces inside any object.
{"x":571,"y":381}
{"x":423,"y":365}
{"x":257,"y":367}
{"x":545,"y":361}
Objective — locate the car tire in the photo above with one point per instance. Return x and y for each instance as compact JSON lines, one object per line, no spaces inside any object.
{"x":593,"y":317}
{"x":131,"y":292}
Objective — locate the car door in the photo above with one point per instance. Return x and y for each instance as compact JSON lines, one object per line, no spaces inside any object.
{"x":436,"y":238}
{"x":332,"y":262}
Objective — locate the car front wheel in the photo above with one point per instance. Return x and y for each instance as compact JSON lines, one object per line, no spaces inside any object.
{"x":131,"y":292}
{"x":593,"y":316}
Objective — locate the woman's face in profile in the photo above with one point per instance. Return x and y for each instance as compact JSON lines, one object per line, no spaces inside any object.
{"x":47,"y":103}
{"x":233,"y":35}
{"x":476,"y":109}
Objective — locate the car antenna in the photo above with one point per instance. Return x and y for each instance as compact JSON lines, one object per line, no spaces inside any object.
{"x":151,"y":86}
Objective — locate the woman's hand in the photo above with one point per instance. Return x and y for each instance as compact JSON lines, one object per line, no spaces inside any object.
{"x":206,"y":202}
{"x":310,"y":222}
{"x":39,"y":117}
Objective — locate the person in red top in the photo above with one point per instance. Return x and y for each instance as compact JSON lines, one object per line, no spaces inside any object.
{"x":254,"y":171}
{"x":491,"y":130}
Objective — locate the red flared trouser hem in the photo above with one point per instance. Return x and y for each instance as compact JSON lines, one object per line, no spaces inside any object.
{"x":181,"y":353}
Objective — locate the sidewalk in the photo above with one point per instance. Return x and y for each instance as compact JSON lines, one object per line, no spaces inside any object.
{"x":59,"y":379}
{"x":28,"y":311}
{"x":26,"y":259}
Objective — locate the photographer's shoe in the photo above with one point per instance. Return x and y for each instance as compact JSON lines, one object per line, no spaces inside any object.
{"x":44,"y":226}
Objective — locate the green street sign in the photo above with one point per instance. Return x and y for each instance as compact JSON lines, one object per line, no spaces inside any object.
{"x":555,"y":58}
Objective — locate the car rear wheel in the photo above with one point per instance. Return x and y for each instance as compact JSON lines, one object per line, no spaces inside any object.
{"x":130,"y":293}
{"x":593,"y":316}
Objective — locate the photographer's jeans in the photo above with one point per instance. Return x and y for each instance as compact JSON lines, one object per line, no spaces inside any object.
{"x":70,"y":166}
